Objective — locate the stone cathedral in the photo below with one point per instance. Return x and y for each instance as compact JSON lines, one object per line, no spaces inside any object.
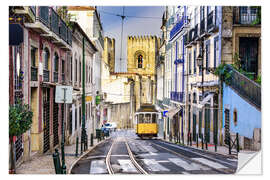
{"x":142,"y":53}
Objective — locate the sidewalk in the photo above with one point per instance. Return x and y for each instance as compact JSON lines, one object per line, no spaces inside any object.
{"x":43,"y":163}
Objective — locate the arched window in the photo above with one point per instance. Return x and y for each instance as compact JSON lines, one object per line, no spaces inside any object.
{"x":46,"y":58}
{"x":140,"y":61}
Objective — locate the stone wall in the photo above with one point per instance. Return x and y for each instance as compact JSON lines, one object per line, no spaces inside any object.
{"x":120,"y":114}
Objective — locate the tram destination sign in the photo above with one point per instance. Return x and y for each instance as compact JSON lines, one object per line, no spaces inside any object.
{"x":63,"y":94}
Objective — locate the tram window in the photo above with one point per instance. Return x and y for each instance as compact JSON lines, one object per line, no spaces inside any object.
{"x":141,"y":118}
{"x":148,"y":118}
{"x":154,"y":116}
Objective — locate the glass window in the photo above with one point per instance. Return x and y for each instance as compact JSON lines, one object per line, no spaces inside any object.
{"x":33,"y":56}
{"x":141,"y":118}
{"x":140,"y":61}
{"x":56,"y":62}
{"x":147,"y":118}
{"x":47,"y":55}
{"x":154,"y":118}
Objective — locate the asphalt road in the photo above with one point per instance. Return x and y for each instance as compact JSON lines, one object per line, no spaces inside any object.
{"x":153,"y":155}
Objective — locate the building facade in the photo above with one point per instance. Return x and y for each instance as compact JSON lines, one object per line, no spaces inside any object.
{"x":44,"y":55}
{"x":76,"y":78}
{"x":89,"y":19}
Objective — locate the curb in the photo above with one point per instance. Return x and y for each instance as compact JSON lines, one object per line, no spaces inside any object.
{"x":211,"y":152}
{"x":81,"y":156}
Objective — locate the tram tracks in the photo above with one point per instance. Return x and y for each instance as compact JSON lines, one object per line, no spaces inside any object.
{"x":109,"y":156}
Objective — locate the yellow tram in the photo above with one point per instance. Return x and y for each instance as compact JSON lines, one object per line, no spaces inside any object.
{"x":146,"y":121}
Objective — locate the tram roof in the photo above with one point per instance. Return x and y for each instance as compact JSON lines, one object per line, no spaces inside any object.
{"x":147,"y":108}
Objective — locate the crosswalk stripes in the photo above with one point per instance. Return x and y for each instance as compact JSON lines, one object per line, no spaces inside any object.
{"x":210,"y":163}
{"x":98,"y":167}
{"x":187,"y":166}
{"x":126,"y":165}
{"x":153,"y":165}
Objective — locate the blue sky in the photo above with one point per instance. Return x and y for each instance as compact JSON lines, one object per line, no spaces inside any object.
{"x":132,"y":26}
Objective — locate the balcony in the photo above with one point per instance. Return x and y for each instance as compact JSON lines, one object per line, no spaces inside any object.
{"x":46,"y":75}
{"x":245,"y":16}
{"x":177,"y":96}
{"x":50,"y":26}
{"x":34,"y":73}
{"x":63,"y":30}
{"x":54,"y":22}
{"x":44,"y":15}
{"x":177,"y":28}
{"x":29,"y":13}
{"x":55,"y":77}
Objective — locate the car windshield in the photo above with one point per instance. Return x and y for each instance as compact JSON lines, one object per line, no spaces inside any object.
{"x":107,"y":124}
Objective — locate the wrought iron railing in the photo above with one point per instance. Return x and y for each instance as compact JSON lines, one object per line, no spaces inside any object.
{"x":54,"y":22}
{"x":177,"y":28}
{"x":69,"y":37}
{"x":243,"y":17}
{"x":245,"y":87}
{"x":46,"y":75}
{"x":202,"y":27}
{"x":34,"y":73}
{"x":63,"y":30}
{"x":55,"y":77}
{"x":44,"y":15}
{"x":177,"y":96}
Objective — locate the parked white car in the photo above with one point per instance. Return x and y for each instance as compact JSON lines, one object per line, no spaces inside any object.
{"x":111,"y":126}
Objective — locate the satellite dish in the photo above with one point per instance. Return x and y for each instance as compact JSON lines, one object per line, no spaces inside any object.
{"x":18,"y":64}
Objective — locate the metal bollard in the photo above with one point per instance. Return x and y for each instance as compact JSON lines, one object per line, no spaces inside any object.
{"x":77,"y":146}
{"x":202,"y":142}
{"x":190,"y":139}
{"x":230,"y":148}
{"x":237,"y":142}
{"x":206,"y":144}
{"x":216,"y":144}
{"x":92,"y":139}
{"x":56,"y":162}
{"x":64,"y":169}
{"x":197,"y":140}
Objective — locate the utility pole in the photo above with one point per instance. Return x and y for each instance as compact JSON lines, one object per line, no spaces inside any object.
{"x":63,"y":137}
{"x":83,"y":135}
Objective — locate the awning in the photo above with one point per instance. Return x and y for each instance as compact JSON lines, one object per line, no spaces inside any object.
{"x":205,"y":100}
{"x":173,"y":111}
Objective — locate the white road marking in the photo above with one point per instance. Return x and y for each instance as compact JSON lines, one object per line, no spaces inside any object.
{"x":186,"y":149}
{"x":127,"y":165}
{"x":210,"y":163}
{"x":153,"y":165}
{"x":98,"y":167}
{"x":187,"y":166}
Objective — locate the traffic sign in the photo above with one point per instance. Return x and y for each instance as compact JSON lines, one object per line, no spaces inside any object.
{"x":63,"y":94}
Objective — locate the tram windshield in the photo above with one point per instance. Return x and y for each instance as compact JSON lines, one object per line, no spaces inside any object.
{"x":147,"y":118}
